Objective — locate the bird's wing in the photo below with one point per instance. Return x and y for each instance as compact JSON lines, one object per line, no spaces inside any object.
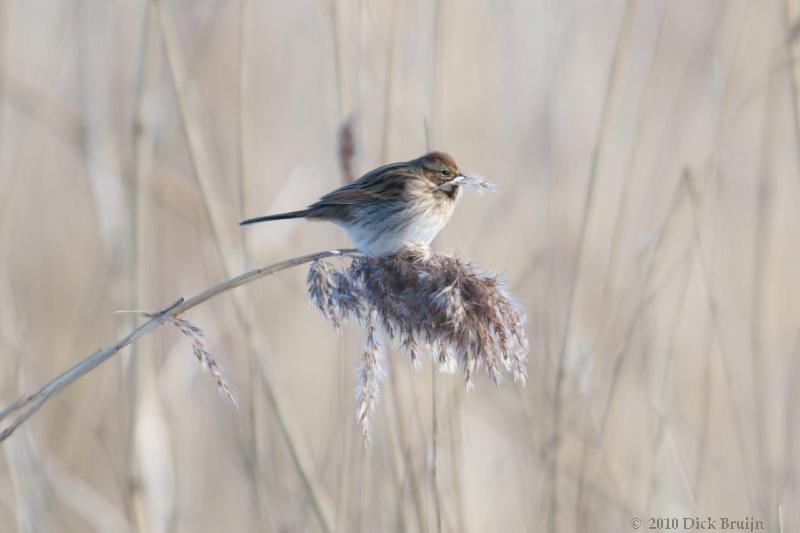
{"x":384,"y":184}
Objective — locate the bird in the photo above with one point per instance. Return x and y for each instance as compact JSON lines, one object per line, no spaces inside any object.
{"x":390,"y":207}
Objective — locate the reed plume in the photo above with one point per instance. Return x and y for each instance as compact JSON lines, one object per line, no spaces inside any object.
{"x":427,"y":304}
{"x":201,"y":353}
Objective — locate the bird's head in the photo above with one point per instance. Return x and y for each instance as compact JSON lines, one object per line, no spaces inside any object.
{"x":441,"y":171}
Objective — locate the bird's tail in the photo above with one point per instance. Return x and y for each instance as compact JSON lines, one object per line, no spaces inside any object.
{"x":279,"y":216}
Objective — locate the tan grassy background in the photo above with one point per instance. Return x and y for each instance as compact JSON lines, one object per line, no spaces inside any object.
{"x":646,"y":154}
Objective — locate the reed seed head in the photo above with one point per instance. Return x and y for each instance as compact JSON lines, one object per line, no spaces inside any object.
{"x":201,"y":353}
{"x":426,"y":304}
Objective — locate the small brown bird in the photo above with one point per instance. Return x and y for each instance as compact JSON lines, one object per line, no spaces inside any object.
{"x":393,"y":205}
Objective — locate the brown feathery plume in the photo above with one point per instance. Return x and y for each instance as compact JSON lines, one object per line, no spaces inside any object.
{"x":448,"y":308}
{"x":201,"y":352}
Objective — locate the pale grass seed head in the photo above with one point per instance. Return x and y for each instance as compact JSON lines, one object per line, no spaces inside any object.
{"x":370,"y":374}
{"x":427,"y":304}
{"x":201,"y":353}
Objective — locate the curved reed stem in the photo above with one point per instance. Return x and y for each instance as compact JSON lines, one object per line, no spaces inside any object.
{"x":28,"y":404}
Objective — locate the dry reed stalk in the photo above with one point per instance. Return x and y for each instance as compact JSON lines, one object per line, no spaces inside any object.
{"x":388,"y":83}
{"x":437,"y":499}
{"x":255,"y":446}
{"x":792,"y":22}
{"x":644,"y":105}
{"x":405,"y":452}
{"x":229,"y":254}
{"x":610,"y":93}
{"x":28,"y":404}
{"x":762,"y":253}
{"x":140,"y":375}
{"x":712,"y":303}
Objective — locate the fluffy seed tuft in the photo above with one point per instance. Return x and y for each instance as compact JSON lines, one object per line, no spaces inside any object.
{"x":427,"y":304}
{"x":201,"y":353}
{"x":479,"y":183}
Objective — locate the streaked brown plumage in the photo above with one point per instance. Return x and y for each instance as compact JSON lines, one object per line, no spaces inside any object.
{"x":391,"y":206}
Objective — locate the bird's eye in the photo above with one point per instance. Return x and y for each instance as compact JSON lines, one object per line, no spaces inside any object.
{"x":445,"y":172}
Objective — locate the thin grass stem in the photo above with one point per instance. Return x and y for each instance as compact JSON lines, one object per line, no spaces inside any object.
{"x":28,"y":404}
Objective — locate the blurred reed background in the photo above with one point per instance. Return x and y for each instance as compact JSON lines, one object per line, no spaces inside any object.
{"x":646,"y":154}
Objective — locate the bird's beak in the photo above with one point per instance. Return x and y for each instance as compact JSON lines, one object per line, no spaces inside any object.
{"x":448,"y":186}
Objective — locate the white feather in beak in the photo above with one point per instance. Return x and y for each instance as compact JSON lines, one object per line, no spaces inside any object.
{"x":448,"y":186}
{"x":478,"y":183}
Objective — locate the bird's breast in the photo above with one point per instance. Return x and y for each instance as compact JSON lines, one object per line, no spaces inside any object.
{"x":387,"y":233}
